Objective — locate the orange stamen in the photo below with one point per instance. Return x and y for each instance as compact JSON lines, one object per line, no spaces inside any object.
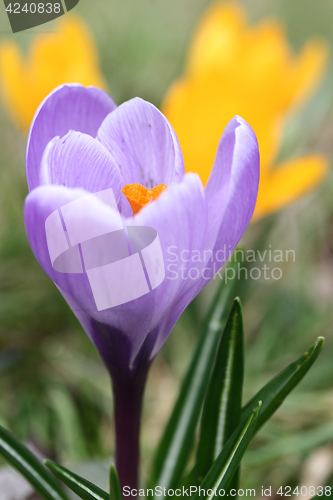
{"x":139,"y":196}
{"x":156,"y":191}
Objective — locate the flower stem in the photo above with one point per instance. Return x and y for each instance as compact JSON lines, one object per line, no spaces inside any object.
{"x":128,"y":393}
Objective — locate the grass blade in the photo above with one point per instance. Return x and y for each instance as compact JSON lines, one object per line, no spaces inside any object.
{"x":19,"y":457}
{"x":223,"y":402}
{"x":115,"y":488}
{"x":226,"y":464}
{"x":273,"y":394}
{"x":83,"y":488}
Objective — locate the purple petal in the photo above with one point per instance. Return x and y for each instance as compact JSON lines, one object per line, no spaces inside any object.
{"x":79,"y":161}
{"x":180,"y":218}
{"x":143,"y":144}
{"x":232,"y":188}
{"x":130,"y":321}
{"x":68,"y":107}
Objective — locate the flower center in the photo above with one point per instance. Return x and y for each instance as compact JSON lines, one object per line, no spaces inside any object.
{"x":139,"y":196}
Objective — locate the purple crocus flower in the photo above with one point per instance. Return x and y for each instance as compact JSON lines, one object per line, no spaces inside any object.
{"x":80,"y":143}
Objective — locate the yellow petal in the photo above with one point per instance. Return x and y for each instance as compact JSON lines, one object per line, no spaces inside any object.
{"x":11,"y":76}
{"x":288,"y":182}
{"x":237,"y":69}
{"x":217,"y":38}
{"x":68,"y":55}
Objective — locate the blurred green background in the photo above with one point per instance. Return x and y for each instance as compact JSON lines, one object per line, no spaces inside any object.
{"x":54,"y":390}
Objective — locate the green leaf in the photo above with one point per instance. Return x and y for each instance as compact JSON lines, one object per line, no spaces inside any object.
{"x":173,"y":450}
{"x":273,"y":394}
{"x":83,"y":488}
{"x":223,"y":402}
{"x":226,"y":464}
{"x":115,"y":488}
{"x":19,"y":457}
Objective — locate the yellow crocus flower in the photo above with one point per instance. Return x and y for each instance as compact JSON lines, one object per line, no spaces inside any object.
{"x":67,"y":55}
{"x":234,"y":68}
